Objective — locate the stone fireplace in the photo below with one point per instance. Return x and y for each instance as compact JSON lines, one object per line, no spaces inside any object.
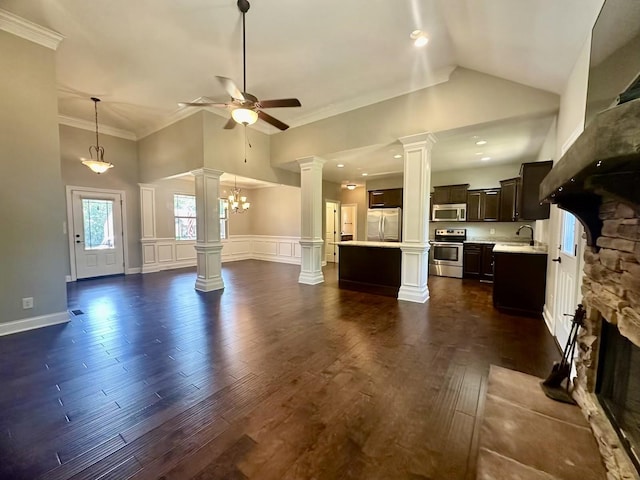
{"x":598,"y":179}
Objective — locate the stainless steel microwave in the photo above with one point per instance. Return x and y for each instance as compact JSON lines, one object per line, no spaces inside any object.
{"x":454,"y":212}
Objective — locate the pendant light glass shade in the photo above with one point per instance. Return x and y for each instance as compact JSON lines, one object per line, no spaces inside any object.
{"x":97,"y":165}
{"x":245,"y":116}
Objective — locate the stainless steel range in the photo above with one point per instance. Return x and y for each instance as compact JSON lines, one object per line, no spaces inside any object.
{"x":445,"y":255}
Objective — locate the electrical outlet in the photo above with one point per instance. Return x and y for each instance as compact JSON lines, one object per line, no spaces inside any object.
{"x":27,"y":303}
{"x":492,"y":231}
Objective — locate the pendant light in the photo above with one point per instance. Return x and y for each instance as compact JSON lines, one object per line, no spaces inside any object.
{"x":97,"y":165}
{"x":238,"y":202}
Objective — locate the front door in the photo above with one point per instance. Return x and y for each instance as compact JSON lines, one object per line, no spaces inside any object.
{"x":567,"y":276}
{"x":97,"y":234}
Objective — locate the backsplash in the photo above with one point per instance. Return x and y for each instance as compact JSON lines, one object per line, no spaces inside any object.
{"x":503,"y":231}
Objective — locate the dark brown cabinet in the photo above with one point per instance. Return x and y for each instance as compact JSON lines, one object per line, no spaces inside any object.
{"x":509,"y":200}
{"x":388,"y":198}
{"x":450,"y":194}
{"x":531,"y":175}
{"x":483,"y":205}
{"x":519,"y":283}
{"x":478,"y":261}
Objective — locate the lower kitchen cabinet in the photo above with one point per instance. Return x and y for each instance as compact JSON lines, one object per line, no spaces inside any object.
{"x":519,"y":283}
{"x":478,"y":261}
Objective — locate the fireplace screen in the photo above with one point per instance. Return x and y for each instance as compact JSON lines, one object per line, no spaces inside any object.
{"x":618,"y":387}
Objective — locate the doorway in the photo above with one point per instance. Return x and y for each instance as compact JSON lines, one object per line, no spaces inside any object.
{"x":567,"y":272}
{"x":349,"y":220}
{"x":332,"y":233}
{"x":95,"y":220}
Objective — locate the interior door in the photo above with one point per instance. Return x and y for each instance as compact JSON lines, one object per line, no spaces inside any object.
{"x":97,"y":234}
{"x":331,"y":233}
{"x":566,"y":276}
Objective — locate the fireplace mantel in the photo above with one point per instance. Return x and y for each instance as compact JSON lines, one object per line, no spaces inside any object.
{"x":604,"y":160}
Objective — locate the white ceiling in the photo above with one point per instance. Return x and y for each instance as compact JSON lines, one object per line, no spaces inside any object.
{"x":142,"y":57}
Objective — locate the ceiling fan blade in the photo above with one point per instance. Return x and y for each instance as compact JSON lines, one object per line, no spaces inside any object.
{"x":283,"y":102}
{"x":230,"y":124}
{"x":202,"y":104}
{"x":273,"y":121}
{"x":231,"y":88}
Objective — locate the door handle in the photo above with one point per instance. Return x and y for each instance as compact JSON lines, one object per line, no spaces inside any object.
{"x":78,"y":241}
{"x":559,"y":260}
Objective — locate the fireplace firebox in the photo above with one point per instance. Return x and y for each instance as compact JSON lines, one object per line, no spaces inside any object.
{"x":618,"y":387}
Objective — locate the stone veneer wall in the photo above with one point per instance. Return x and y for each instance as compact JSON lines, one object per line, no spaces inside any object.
{"x":611,"y":290}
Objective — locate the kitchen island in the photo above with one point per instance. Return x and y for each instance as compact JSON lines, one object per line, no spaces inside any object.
{"x":373,"y":267}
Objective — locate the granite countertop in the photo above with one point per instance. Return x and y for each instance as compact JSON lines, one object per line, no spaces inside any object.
{"x":520,"y":248}
{"x":362,"y":243}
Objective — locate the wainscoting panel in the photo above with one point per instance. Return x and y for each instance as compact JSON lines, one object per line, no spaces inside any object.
{"x":167,"y":253}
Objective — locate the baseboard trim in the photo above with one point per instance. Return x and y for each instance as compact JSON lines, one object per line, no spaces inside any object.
{"x":548,"y":319}
{"x":32,"y":323}
{"x":134,"y":270}
{"x":68,"y":278}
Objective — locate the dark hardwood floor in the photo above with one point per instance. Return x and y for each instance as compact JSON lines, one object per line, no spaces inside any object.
{"x":269,"y":379}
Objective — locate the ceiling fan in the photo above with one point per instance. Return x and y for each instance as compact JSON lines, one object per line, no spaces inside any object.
{"x":245,"y":107}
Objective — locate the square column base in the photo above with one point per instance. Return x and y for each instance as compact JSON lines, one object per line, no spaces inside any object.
{"x":209,"y":261}
{"x":415,"y":264}
{"x":311,"y":262}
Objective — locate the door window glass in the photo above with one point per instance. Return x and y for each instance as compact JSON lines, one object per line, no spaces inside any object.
{"x":568,"y":234}
{"x":98,"y":224}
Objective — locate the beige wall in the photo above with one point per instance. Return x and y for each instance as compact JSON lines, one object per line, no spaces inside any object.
{"x":33,"y":245}
{"x":74,"y":144}
{"x":173,"y":150}
{"x":275,"y":211}
{"x":486,"y":177}
{"x":468,"y":98}
{"x":393,"y":181}
{"x":224,"y":150}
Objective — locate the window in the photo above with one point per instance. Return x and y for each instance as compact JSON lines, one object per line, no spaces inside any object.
{"x":568,"y":246}
{"x":98,"y":223}
{"x":224,"y":218}
{"x":184,"y":211}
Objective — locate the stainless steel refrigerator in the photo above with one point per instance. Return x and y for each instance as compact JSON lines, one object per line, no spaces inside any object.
{"x":384,"y":224}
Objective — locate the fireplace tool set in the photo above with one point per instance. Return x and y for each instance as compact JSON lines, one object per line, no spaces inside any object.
{"x":561,"y":371}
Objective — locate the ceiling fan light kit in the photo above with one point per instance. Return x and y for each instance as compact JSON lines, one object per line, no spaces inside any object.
{"x":245,"y":108}
{"x":245,"y":116}
{"x":97,"y":165}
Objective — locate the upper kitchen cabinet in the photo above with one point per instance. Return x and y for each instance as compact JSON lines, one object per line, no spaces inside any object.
{"x":388,"y":198}
{"x":483,"y":205}
{"x":509,"y":200}
{"x":532,"y":175}
{"x":450,"y":194}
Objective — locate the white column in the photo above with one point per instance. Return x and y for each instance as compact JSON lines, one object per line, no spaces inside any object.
{"x":311,"y":224}
{"x":208,"y":244}
{"x":415,"y":217}
{"x":148,"y":227}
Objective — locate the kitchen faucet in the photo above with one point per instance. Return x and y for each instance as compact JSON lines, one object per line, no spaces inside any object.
{"x":530,"y":228}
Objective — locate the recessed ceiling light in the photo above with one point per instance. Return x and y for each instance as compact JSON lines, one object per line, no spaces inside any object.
{"x":340,"y":165}
{"x":479,"y":153}
{"x":365,"y":174}
{"x":484,"y":159}
{"x":419,"y":38}
{"x":397,"y":155}
{"x":481,"y":142}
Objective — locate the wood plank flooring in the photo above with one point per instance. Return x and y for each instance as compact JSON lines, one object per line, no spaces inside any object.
{"x":268,"y":379}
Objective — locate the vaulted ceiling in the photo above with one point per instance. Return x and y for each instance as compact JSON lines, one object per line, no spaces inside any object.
{"x":142,"y":57}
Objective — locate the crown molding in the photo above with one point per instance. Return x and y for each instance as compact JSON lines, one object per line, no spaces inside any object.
{"x":23,"y":28}
{"x":104,"y":129}
{"x":175,"y":117}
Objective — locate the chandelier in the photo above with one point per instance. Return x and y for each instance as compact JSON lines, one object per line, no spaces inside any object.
{"x":237,"y":202}
{"x":98,"y":165}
